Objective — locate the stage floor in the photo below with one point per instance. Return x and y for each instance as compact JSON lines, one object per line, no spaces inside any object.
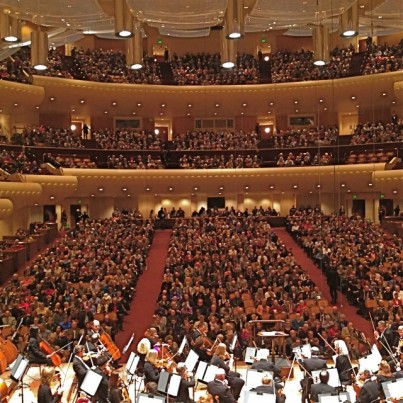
{"x":28,"y":392}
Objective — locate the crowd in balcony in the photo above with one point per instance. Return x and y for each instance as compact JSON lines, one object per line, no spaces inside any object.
{"x":206,"y":69}
{"x":133,"y":162}
{"x":378,"y":132}
{"x":304,"y":159}
{"x":383,"y":58}
{"x":19,"y":162}
{"x":219,"y":161}
{"x":219,"y":140}
{"x":367,"y":259}
{"x":289,"y":66}
{"x":313,"y":136}
{"x":81,"y":277}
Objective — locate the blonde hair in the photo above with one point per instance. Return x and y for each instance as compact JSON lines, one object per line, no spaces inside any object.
{"x":47,"y":375}
{"x":221,"y":350}
{"x":152,"y":356}
{"x":384,"y":368}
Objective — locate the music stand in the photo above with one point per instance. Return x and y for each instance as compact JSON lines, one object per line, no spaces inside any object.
{"x":254,"y":377}
{"x":205,"y":372}
{"x":334,"y":397}
{"x":18,"y":371}
{"x":393,"y":388}
{"x":131,"y":368}
{"x":91,"y":383}
{"x":191,"y":360}
{"x":370,"y":362}
{"x":169,"y":383}
{"x":147,"y":398}
{"x":182,"y":346}
{"x":251,"y":396}
{"x":334,"y":379}
{"x":253,"y":353}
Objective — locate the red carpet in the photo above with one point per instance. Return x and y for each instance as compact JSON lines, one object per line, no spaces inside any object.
{"x":316,"y":275}
{"x":147,"y":291}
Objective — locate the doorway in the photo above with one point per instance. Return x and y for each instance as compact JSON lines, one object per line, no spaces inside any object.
{"x":359,"y":207}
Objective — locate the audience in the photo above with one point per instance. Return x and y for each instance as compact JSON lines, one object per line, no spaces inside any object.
{"x":314,"y":136}
{"x":383,"y":58}
{"x":303,"y":159}
{"x":377,"y":132}
{"x":127,"y":139}
{"x":219,"y":162}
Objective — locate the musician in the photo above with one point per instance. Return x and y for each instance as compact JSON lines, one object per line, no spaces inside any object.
{"x":219,"y":388}
{"x":384,"y":337}
{"x":266,"y":386}
{"x":35,"y":355}
{"x":384,"y":373}
{"x":79,"y":366}
{"x":369,"y":392}
{"x":265,"y":365}
{"x":343,"y":362}
{"x":103,"y":369}
{"x":115,"y":390}
{"x":186,"y":383}
{"x":321,"y":387}
{"x":315,"y":362}
{"x":44,"y":392}
{"x":93,"y":335}
{"x":151,"y":369}
{"x":220,"y":359}
{"x":201,"y":350}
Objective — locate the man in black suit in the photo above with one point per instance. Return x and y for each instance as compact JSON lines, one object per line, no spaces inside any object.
{"x":321,"y":387}
{"x":369,"y":392}
{"x":219,"y":388}
{"x":186,"y":383}
{"x":265,"y":365}
{"x":265,"y":387}
{"x":79,"y":366}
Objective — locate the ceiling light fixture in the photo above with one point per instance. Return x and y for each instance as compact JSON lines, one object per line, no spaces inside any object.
{"x":39,"y":50}
{"x":10,"y":30}
{"x":235,"y":19}
{"x":227,"y":51}
{"x":123,"y":20}
{"x":321,"y":45}
{"x":134,"y":48}
{"x":348,"y":21}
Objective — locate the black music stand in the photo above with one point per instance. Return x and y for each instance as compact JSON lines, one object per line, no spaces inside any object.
{"x":168,"y":384}
{"x":131,"y":368}
{"x":18,"y":371}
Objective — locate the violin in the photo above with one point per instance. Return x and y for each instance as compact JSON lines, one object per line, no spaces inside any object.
{"x":47,"y":349}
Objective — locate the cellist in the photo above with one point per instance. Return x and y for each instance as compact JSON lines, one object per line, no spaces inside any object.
{"x":35,"y":355}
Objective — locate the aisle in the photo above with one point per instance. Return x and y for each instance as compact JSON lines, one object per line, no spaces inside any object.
{"x":316,"y":274}
{"x":147,"y":291}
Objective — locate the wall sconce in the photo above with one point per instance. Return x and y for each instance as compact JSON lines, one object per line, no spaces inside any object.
{"x":320,"y":45}
{"x":10,"y":30}
{"x":123,"y":20}
{"x":235,"y":19}
{"x":134,"y":49}
{"x":39,"y":50}
{"x":227,"y":50}
{"x":349,"y":22}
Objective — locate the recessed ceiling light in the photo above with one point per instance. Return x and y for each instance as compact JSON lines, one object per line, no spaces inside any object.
{"x":321,"y":100}
{"x":384,"y":94}
{"x":52,"y":197}
{"x":353,"y":97}
{"x":296,"y":102}
{"x":147,"y":189}
{"x":343,"y":185}
{"x":357,"y":106}
{"x":325,"y":109}
{"x":215,"y":113}
{"x":189,"y":105}
{"x":114,"y":103}
{"x":318,"y":186}
{"x":217,"y":105}
{"x":242,"y":113}
{"x":188,"y":114}
{"x":295,"y":186}
{"x":244,"y":104}
{"x":271,"y":187}
{"x":133,"y":113}
{"x":161,"y":113}
{"x":15,"y":104}
{"x":296,"y":110}
{"x":37,"y":107}
{"x":348,"y":190}
{"x":101,"y":189}
{"x":370,"y":184}
{"x":395,"y":191}
{"x":195,"y":188}
{"x":73,"y":110}
{"x":138,"y":103}
{"x":106,"y":112}
{"x":246,"y":187}
{"x":92,"y":195}
{"x":124,"y":189}
{"x":221,"y":188}
{"x":82,"y":101}
{"x":163,"y":105}
{"x":271,"y":103}
{"x":170,"y":188}
{"x":269,"y":113}
{"x":129,"y":195}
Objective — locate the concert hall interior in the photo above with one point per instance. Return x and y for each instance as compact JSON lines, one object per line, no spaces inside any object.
{"x":200,"y":201}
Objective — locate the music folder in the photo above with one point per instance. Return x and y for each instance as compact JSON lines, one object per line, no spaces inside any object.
{"x":254,"y":377}
{"x":146,"y":398}
{"x":252,"y":396}
{"x":393,"y":388}
{"x":205,"y":372}
{"x":169,"y":383}
{"x":334,"y":397}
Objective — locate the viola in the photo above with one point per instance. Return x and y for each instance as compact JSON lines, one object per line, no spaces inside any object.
{"x":47,"y":349}
{"x":112,"y":348}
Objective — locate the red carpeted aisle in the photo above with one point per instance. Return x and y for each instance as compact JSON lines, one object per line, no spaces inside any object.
{"x":316,"y":274}
{"x":147,"y":291}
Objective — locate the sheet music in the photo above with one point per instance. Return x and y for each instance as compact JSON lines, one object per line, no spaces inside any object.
{"x":334,"y":379}
{"x":254,"y":377}
{"x":191,"y":360}
{"x":201,"y":369}
{"x":174,"y":385}
{"x":341,"y":397}
{"x":257,"y":397}
{"x":250,"y":355}
{"x":210,"y":373}
{"x":262,"y":353}
{"x":182,"y":346}
{"x":393,"y":388}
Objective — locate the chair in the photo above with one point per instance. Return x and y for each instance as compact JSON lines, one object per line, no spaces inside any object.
{"x":371,"y":303}
{"x":310,"y":302}
{"x":323,"y":302}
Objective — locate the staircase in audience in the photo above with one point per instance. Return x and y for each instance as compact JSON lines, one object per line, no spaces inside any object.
{"x":356,"y":64}
{"x":167,"y":74}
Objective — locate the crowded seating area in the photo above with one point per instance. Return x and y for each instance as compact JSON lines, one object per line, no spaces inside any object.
{"x":219,"y":161}
{"x":88,"y":273}
{"x":218,"y":140}
{"x":304,"y":159}
{"x":367,"y":259}
{"x":378,"y":132}
{"x":134,"y":162}
{"x":206,"y":69}
{"x":319,"y":136}
{"x":20,"y":162}
{"x":383,"y":58}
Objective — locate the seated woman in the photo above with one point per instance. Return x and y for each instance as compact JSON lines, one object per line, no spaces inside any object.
{"x":151,"y":369}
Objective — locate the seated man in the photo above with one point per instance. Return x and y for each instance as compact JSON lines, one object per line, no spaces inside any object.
{"x":265,"y":365}
{"x":321,"y":387}
{"x":35,"y":355}
{"x":265,"y":387}
{"x":219,"y":388}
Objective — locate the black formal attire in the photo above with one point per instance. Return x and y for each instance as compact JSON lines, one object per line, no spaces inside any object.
{"x":369,"y":392}
{"x":35,"y":355}
{"x":45,"y":395}
{"x":234,"y":378}
{"x":333,"y":281}
{"x":102,"y":395}
{"x":344,"y":368}
{"x":151,"y":373}
{"x":183,"y":392}
{"x":266,"y":365}
{"x":320,"y":388}
{"x":80,"y":369}
{"x":221,"y":390}
{"x":115,"y":395}
{"x":264,"y":389}
{"x":314,"y":363}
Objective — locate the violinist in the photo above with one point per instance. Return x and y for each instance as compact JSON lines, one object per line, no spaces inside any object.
{"x":369,"y":392}
{"x":220,"y":359}
{"x":321,"y":387}
{"x":35,"y":355}
{"x":343,"y":362}
{"x":79,"y":366}
{"x":115,"y":388}
{"x":151,"y":369}
{"x":384,"y":373}
{"x":384,"y":337}
{"x":186,"y":383}
{"x":103,"y":369}
{"x":44,"y":392}
{"x":265,"y":364}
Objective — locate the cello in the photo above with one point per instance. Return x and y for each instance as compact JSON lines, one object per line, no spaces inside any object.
{"x":9,"y":349}
{"x":47,"y":349}
{"x":112,"y":348}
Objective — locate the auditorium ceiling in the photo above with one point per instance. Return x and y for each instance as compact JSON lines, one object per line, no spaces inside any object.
{"x":190,"y":18}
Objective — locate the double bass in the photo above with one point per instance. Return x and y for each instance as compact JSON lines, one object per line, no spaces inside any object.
{"x":112,"y":348}
{"x":47,"y":349}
